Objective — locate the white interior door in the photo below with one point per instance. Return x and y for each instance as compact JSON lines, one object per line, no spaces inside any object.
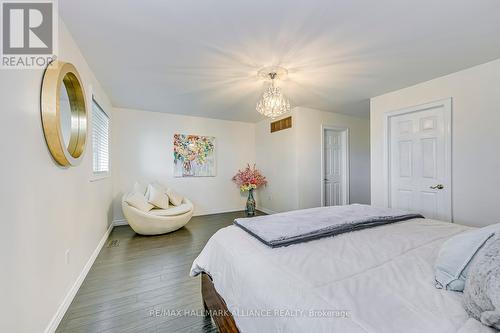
{"x":420,"y":161}
{"x":335,"y":167}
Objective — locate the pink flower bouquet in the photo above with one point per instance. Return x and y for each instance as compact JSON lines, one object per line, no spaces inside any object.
{"x":249,"y":178}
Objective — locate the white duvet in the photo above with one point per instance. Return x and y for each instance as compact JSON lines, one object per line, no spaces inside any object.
{"x":375,"y":280}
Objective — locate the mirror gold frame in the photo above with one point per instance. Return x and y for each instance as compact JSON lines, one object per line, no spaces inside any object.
{"x":57,"y":74}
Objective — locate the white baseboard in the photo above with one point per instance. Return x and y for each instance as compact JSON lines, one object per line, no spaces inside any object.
{"x":56,"y":319}
{"x":265,"y":210}
{"x":120,"y":222}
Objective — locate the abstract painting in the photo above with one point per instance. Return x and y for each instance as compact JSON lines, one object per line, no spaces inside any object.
{"x":194,"y":156}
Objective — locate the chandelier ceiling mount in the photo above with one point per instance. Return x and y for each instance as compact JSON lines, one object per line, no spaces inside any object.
{"x":273,"y":103}
{"x":279,"y":73}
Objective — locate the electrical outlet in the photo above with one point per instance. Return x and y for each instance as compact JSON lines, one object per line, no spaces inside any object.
{"x":66,"y":256}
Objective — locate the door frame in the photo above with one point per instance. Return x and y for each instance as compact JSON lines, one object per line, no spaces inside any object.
{"x":346,"y":163}
{"x":447,"y":105}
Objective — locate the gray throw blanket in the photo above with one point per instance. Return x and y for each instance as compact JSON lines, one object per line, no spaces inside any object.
{"x":308,"y":224}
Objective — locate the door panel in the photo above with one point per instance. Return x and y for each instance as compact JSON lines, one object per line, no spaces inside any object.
{"x":329,"y":196}
{"x":334,"y":157}
{"x":404,"y":198}
{"x":405,"y":158}
{"x":418,"y":162}
{"x":429,"y":158}
{"x":429,"y":202}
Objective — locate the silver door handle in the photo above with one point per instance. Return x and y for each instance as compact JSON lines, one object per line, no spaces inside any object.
{"x":437,"y":187}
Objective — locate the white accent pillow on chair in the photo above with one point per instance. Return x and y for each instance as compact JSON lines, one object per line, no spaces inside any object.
{"x":140,"y":188}
{"x":157,"y":196}
{"x":138,"y":200}
{"x":175,"y":198}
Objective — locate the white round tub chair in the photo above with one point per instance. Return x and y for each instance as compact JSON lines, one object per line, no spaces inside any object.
{"x":158,"y":221}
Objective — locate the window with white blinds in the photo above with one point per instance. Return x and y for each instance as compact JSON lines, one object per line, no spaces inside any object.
{"x":100,"y":139}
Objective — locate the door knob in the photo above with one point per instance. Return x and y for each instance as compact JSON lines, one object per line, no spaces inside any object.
{"x":437,"y":187}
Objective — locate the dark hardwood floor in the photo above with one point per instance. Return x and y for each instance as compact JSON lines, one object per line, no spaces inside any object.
{"x":138,"y":282}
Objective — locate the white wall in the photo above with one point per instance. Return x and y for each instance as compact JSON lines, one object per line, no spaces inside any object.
{"x":46,"y":209}
{"x":291,"y":159}
{"x":475,"y":138}
{"x":143,"y":151}
{"x":276,"y":157}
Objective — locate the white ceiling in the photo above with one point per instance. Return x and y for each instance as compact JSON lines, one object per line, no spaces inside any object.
{"x":201,"y":57}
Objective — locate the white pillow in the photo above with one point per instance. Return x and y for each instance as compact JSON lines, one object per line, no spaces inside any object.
{"x":157,"y":196}
{"x":456,"y":253}
{"x":172,"y":211}
{"x":175,"y":198}
{"x":139,"y":187}
{"x":482,"y":293}
{"x":158,"y":186}
{"x":138,"y":200}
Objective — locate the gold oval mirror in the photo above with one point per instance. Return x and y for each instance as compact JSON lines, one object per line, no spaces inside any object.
{"x":64,"y":113}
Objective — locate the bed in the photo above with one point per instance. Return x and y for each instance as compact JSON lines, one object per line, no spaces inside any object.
{"x":374,"y":280}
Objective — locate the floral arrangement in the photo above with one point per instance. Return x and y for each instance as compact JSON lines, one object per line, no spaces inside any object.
{"x":192,"y":147}
{"x":249,"y":178}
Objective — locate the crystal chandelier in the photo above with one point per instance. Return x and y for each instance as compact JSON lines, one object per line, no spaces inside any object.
{"x":273,"y":103}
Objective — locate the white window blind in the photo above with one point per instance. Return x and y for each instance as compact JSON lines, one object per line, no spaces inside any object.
{"x":100,"y":139}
